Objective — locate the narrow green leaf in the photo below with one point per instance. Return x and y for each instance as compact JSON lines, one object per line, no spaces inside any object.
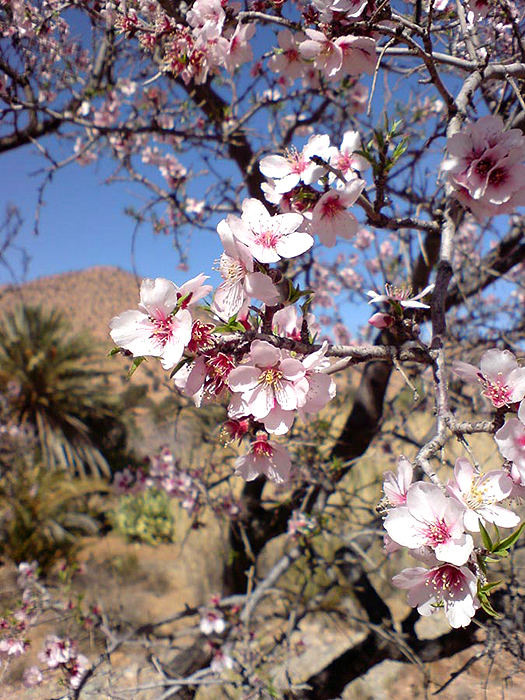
{"x":488,"y":587}
{"x":114,"y":351}
{"x":485,"y":537}
{"x":137,"y":361}
{"x":487,"y":607}
{"x":509,"y":541}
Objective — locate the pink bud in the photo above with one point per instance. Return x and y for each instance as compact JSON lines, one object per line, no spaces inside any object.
{"x":381,"y":320}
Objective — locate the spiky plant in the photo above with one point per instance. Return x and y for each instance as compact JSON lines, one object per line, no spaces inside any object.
{"x":49,"y":379}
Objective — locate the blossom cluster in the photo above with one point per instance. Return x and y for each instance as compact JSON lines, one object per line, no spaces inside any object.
{"x":292,"y":178}
{"x":486,"y":167}
{"x":186,"y":486}
{"x":269,"y":383}
{"x":435,"y":524}
{"x":503,"y":384}
{"x":212,"y":39}
{"x":58,"y":653}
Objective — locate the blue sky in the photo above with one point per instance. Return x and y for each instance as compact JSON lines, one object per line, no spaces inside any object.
{"x":83,"y":224}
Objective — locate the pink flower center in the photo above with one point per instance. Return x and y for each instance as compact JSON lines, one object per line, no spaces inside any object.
{"x":163,"y":329}
{"x":496,"y":391}
{"x":261,"y":447}
{"x":446,"y":579}
{"x":344,"y":162}
{"x":332,"y":207}
{"x":483,"y":166}
{"x":298,"y":163}
{"x":270,"y":376}
{"x":267,"y":239}
{"x":292,"y":55}
{"x":219,"y":367}
{"x":201,"y":336}
{"x":398,"y":293}
{"x":498,"y":176}
{"x":520,"y":441}
{"x":437,"y":533}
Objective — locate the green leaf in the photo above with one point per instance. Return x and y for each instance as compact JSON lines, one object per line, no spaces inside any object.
{"x":114,"y":351}
{"x":485,"y":537}
{"x":487,"y":607}
{"x":179,"y":365}
{"x":509,"y":541}
{"x":488,"y":587}
{"x":137,"y":361}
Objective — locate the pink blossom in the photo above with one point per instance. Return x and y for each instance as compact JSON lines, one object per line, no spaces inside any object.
{"x":77,"y":670}
{"x":207,"y":13}
{"x":503,"y":381}
{"x":288,"y":60}
{"x":350,"y":8}
{"x":511,"y":442}
{"x":238,"y":49}
{"x":32,"y":677}
{"x":433,"y":520}
{"x":330,"y":217}
{"x":56,"y":651}
{"x":241,"y":282}
{"x":11,"y":646}
{"x":359,"y":56}
{"x":269,"y":238}
{"x":346,"y":159}
{"x":485,"y":166}
{"x":212,"y":622}
{"x":395,"y":486}
{"x":161,"y":327}
{"x":521,"y":412}
{"x":288,"y":323}
{"x":269,"y":381}
{"x":400,"y":296}
{"x":453,"y":587}
{"x":264,"y":458}
{"x":479,"y":492}
{"x":321,"y":386}
{"x":327,"y":55}
{"x":221,"y":660}
{"x":295,"y":167}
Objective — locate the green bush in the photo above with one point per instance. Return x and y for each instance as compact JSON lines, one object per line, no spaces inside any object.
{"x":145,"y":517}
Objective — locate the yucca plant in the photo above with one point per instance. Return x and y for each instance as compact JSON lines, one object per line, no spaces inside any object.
{"x":49,"y":379}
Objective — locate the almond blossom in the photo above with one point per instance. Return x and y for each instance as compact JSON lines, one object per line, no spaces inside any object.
{"x":295,"y":167}
{"x":241,"y":281}
{"x":511,"y":442}
{"x":266,"y":458}
{"x":326,"y":55}
{"x":499,"y":374}
{"x":269,"y":238}
{"x":486,"y":167}
{"x":351,"y":8}
{"x":431,"y":519}
{"x":346,"y":160}
{"x":358,"y":56}
{"x":479,"y":493}
{"x":395,"y":485}
{"x":212,"y":622}
{"x":268,"y":384}
{"x":452,"y":587}
{"x":400,"y":296}
{"x":321,"y":386}
{"x":160,"y":327}
{"x":330,"y":217}
{"x":287,"y":60}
